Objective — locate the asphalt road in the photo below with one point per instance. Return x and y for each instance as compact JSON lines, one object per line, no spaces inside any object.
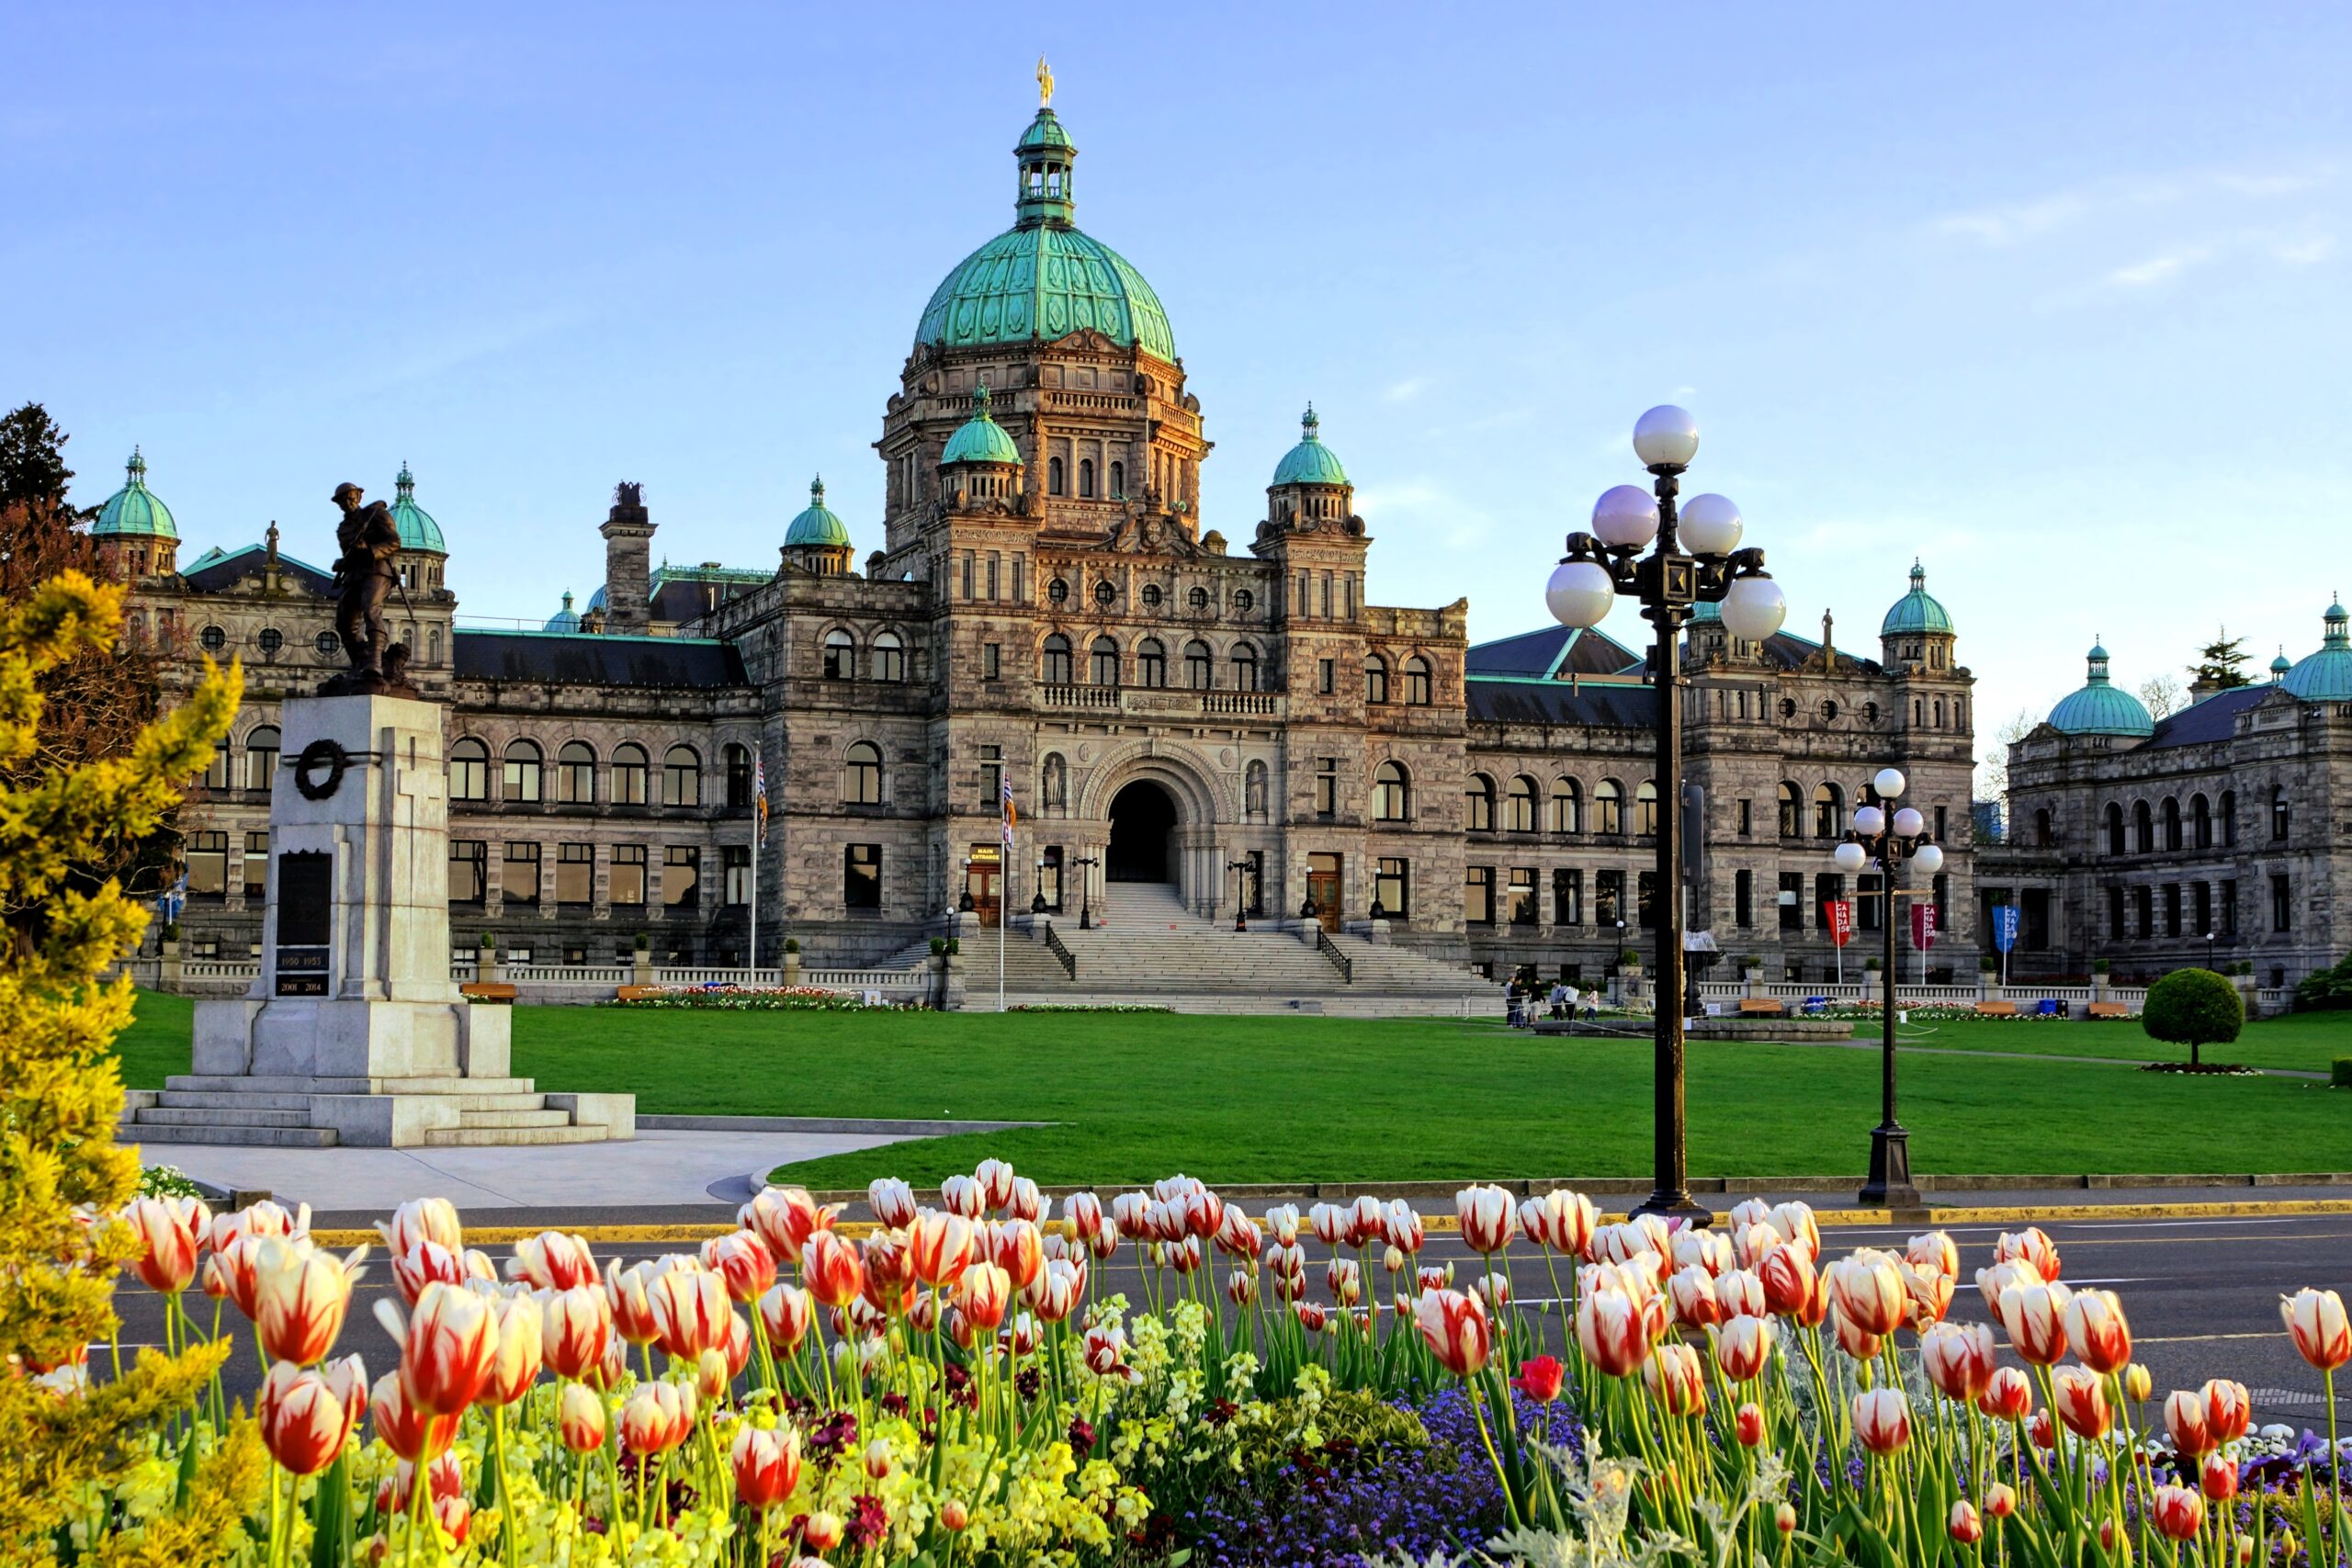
{"x":2201,"y":1295}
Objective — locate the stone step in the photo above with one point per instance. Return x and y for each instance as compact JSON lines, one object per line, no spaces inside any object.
{"x":488,"y":1137}
{"x":225,"y":1100}
{"x":243,"y":1116}
{"x":265,"y":1084}
{"x":221,"y":1132}
{"x":538,"y":1116}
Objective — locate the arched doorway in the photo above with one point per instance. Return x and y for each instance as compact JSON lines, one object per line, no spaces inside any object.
{"x":1143,"y":824}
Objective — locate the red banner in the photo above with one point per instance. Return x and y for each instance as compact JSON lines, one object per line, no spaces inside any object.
{"x":1923,"y":926}
{"x":1839,"y":914}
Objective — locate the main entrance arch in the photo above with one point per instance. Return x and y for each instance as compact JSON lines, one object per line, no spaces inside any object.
{"x":1143,"y":833}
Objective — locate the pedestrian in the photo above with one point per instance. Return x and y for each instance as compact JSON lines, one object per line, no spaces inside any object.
{"x":1559,"y":999}
{"x":1514,"y":1008}
{"x":1592,"y":1005}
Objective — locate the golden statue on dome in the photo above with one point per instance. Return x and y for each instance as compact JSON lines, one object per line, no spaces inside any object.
{"x":1044,"y":84}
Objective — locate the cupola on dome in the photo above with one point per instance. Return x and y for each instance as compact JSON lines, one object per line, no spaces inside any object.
{"x":418,"y":531}
{"x":1917,"y":612}
{"x":2325,"y":676}
{"x":1042,"y":279}
{"x":2099,"y":708}
{"x":566,"y":619}
{"x":816,"y":525}
{"x":980,"y":439}
{"x":1310,"y":462}
{"x":134,"y":511}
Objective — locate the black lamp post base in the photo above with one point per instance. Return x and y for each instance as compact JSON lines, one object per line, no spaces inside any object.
{"x":1889,"y":1186}
{"x":1675,"y":1206}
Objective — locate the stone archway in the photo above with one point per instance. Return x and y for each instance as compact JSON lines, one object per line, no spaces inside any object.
{"x":1143,"y":830}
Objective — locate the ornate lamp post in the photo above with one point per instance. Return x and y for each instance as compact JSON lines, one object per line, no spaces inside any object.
{"x":1875,"y":841}
{"x":1240,"y":868}
{"x":1038,"y":899}
{"x":1086,"y":865}
{"x":1697,"y":561}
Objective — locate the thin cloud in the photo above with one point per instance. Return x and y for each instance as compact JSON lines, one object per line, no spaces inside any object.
{"x":1405,"y":392}
{"x":2157,"y":269}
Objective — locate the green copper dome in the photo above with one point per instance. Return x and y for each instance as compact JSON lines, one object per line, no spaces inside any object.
{"x":134,"y":509}
{"x":1042,"y":279}
{"x":2278,"y":668}
{"x":980,"y":439}
{"x":2325,"y":676}
{"x":2098,"y":708}
{"x":1310,"y":462}
{"x":1917,"y":611}
{"x":566,"y":619}
{"x":816,"y":525}
{"x":418,"y":531}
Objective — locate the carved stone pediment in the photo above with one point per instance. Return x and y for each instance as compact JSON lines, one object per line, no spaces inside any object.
{"x":1086,"y":340}
{"x":1149,"y":532}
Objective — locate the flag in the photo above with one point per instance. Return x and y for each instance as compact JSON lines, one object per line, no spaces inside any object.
{"x":760,"y":794}
{"x":1010,"y":815}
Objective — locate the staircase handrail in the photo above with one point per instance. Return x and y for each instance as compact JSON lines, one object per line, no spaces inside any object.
{"x":1330,"y":950}
{"x":1059,"y":950}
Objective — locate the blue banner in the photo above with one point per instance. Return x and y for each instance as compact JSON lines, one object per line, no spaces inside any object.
{"x":2005,"y":925}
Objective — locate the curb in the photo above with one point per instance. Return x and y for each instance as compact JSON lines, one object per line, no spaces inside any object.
{"x":878,"y":1125}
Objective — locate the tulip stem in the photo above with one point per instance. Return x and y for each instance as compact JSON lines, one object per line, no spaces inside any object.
{"x":505,"y":1501}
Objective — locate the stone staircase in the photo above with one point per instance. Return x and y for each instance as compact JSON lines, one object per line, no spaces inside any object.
{"x":306,"y":1112}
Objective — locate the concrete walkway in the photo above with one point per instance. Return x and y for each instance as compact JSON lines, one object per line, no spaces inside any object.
{"x":659,"y":1169}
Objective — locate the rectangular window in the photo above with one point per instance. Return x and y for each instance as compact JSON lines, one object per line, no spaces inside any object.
{"x":1609,"y":898}
{"x":991,"y":777}
{"x":735,"y":865}
{"x":1392,"y":887}
{"x":1939,"y":824}
{"x":1646,"y":900}
{"x":2281,"y":908}
{"x":861,"y":876}
{"x":1869,"y":903}
{"x":2036,"y":935}
{"x":469,"y":872}
{"x":1825,"y":888}
{"x":2172,"y":908}
{"x":1743,"y":891}
{"x":1479,"y":896}
{"x":627,"y":874}
{"x":1523,"y":908}
{"x":257,"y":867}
{"x":1792,"y":900}
{"x":519,"y":882}
{"x":2115,"y":914}
{"x":2143,"y":912}
{"x":2230,"y":909}
{"x":1049,"y":878}
{"x":1326,"y":585}
{"x":1326,"y":786}
{"x":1746,"y":817}
{"x":681,"y":876}
{"x":991,"y":661}
{"x":967,"y":574}
{"x":1567,"y":898}
{"x":1327,"y":676}
{"x":208,"y":865}
{"x":575,"y":874}
{"x":993,"y":558}
{"x":2204,"y":910}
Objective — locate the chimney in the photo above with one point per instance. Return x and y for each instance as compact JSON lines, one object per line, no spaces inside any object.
{"x":628,"y":554}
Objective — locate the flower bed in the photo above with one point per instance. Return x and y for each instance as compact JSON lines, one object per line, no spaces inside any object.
{"x":1090,"y":1007}
{"x":958,"y":1383}
{"x":753,"y":998}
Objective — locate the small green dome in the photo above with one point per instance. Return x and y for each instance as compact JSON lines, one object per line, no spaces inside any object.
{"x":2098,"y":708}
{"x":1310,"y":462}
{"x":1917,"y":611}
{"x":2278,"y":667}
{"x":980,"y":439}
{"x":1045,"y":135}
{"x":816,"y":525}
{"x":418,"y":531}
{"x":566,"y":619}
{"x":2325,"y":676}
{"x":134,"y":510}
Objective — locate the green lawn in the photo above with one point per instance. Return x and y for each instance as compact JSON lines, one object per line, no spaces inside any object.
{"x":157,"y":1043}
{"x":1238,"y":1099}
{"x":2309,"y":1040}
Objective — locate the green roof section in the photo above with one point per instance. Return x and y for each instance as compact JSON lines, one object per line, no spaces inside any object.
{"x":1045,"y":135}
{"x":2324,"y":676}
{"x":980,"y":439}
{"x":418,"y":531}
{"x":2098,"y":708}
{"x":1310,"y":462}
{"x":134,"y":511}
{"x":816,"y":525}
{"x":1917,"y":611}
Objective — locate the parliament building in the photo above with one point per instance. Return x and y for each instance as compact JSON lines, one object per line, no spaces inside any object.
{"x":1215,"y":705}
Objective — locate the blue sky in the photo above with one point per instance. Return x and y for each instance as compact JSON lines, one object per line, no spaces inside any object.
{"x":2054,"y":298}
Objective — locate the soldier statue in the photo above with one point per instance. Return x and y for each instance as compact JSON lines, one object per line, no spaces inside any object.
{"x":364,"y":578}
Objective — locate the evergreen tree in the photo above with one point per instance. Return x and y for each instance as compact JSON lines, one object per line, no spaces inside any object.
{"x":2220,"y":662}
{"x":32,"y":460}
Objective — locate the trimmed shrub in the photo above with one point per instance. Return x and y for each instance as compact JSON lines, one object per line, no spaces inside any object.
{"x":2342,"y":1075}
{"x":2195,"y":1008}
{"x":2328,"y":988}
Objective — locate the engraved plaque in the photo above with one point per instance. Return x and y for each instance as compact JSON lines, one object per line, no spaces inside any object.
{"x":305,"y":922}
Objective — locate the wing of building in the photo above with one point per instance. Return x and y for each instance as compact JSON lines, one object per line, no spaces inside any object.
{"x":1046,"y":607}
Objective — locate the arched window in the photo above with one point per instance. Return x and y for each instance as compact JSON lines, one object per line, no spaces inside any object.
{"x":1828,"y":811}
{"x":2044,"y":835}
{"x":1053,"y":785}
{"x":841,"y":655}
{"x":1245,"y":667}
{"x":862,"y":775}
{"x":1053,"y":476}
{"x":2229,"y":815}
{"x":1200,"y":674}
{"x":1479,"y":798}
{"x":1392,"y":793}
{"x":1608,"y":806}
{"x":2201,"y":821}
{"x":521,"y":780}
{"x":2171,"y":814}
{"x":1086,"y":479}
{"x":1566,"y":813}
{"x":680,"y":777}
{"x":737,"y":760}
{"x":628,"y":774}
{"x":469,"y":770}
{"x":1645,"y":807}
{"x":1198,"y":598}
{"x":889,"y":657}
{"x":260,"y":756}
{"x":1104,"y":657}
{"x":2278,"y":813}
{"x":1417,"y":681}
{"x":1253,"y":790}
{"x":1376,"y":678}
{"x":1792,"y":811}
{"x":1058,"y":660}
{"x":2114,"y":828}
{"x":575,"y":773}
{"x":1151,"y":662}
{"x":1519,"y":810}
{"x":1118,"y":481}
{"x":2144,"y":828}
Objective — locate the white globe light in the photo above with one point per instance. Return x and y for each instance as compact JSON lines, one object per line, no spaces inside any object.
{"x":1929,"y":859}
{"x":1579,"y":593}
{"x":1868,"y":821}
{"x":1889,"y":782}
{"x":1711,"y":525}
{"x":1625,"y":516}
{"x":1667,"y":436}
{"x":1908,"y":822}
{"x":1850,"y":857}
{"x":1754,"y":609}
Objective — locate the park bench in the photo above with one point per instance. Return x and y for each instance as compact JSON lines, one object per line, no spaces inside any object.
{"x":1760,"y":1006}
{"x":487,"y":991}
{"x":1996,"y":1010}
{"x":639,"y":993}
{"x":2109,"y":1009}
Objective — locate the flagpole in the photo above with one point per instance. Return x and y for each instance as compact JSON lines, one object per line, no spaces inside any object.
{"x":752,"y":978}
